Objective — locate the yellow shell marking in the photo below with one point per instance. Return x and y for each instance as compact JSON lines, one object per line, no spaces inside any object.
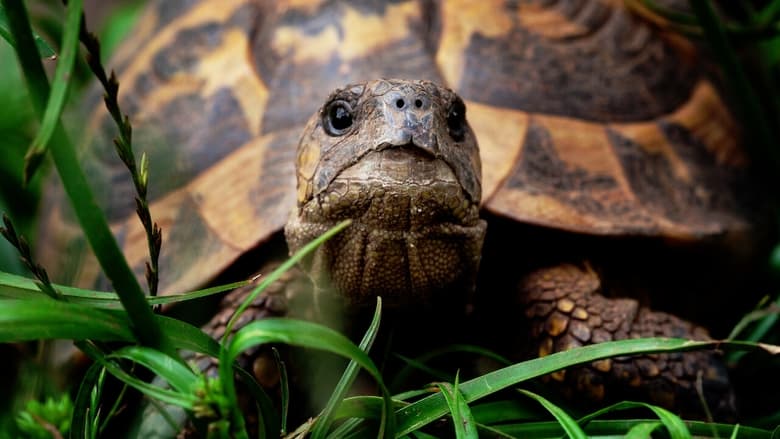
{"x":499,"y":134}
{"x":142,"y":59}
{"x":219,"y":69}
{"x":362,"y":35}
{"x":461,"y":20}
{"x":547,"y":22}
{"x":711,"y":123}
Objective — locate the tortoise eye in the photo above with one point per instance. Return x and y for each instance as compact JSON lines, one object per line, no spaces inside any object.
{"x":338,"y":118}
{"x":456,"y":120}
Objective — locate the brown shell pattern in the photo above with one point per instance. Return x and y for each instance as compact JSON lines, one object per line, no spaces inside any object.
{"x":588,"y":120}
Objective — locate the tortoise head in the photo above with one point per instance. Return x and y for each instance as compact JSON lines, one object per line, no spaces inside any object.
{"x":399,"y":159}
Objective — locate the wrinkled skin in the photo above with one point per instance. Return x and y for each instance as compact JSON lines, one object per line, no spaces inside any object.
{"x":405,"y":169}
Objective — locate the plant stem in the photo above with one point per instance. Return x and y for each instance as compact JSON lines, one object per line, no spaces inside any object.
{"x":91,"y":218}
{"x":124,"y":148}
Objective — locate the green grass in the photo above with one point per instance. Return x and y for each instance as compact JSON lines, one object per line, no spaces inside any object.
{"x":128,"y":343}
{"x":49,"y":319}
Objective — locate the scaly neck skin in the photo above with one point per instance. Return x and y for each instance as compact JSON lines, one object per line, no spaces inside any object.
{"x":399,"y":246}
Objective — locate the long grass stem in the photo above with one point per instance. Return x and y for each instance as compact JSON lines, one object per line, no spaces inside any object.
{"x":91,"y":218}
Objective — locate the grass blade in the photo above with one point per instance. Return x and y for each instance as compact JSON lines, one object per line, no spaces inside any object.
{"x":414,"y":393}
{"x":90,"y":217}
{"x":271,"y":278}
{"x":369,"y":407}
{"x":13,"y":286}
{"x":419,"y":363}
{"x":620,"y":428}
{"x":284,"y":383}
{"x":60,"y":84}
{"x":324,"y":421}
{"x":163,"y":420}
{"x":23,"y":320}
{"x":769,"y":13}
{"x":44,"y":50}
{"x":167,"y":396}
{"x":492,"y":432}
{"x":433,"y":407}
{"x":355,"y":409}
{"x":674,"y":425}
{"x":734,"y":432}
{"x":186,"y":336}
{"x":642,"y":430}
{"x":26,"y":320}
{"x":82,"y":409}
{"x":302,"y":334}
{"x":462,"y":418}
{"x":268,"y":419}
{"x":568,"y":424}
{"x":179,"y":376}
{"x":503,"y":411}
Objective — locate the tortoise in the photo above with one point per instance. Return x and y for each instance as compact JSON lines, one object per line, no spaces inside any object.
{"x":609,"y":173}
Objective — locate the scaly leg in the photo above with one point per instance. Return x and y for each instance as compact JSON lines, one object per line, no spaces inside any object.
{"x":566,"y":309}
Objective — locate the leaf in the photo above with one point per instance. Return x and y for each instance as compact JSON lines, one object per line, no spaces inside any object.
{"x":642,"y":430}
{"x":503,"y":411}
{"x":284,"y":383}
{"x":91,"y":218}
{"x":185,"y":400}
{"x":60,"y":84}
{"x":430,"y":408}
{"x":356,"y":408}
{"x":19,"y":287}
{"x":462,"y":418}
{"x":44,"y":50}
{"x":268,"y":418}
{"x":186,"y":336}
{"x":674,"y":425}
{"x":363,"y":407}
{"x":24,"y":320}
{"x":419,"y":363}
{"x":619,"y":428}
{"x":568,"y":424}
{"x":303,"y":334}
{"x":82,"y":413}
{"x":276,"y":274}
{"x":180,"y":377}
{"x":324,"y":421}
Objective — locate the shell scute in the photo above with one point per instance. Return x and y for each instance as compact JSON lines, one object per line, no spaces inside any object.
{"x":588,"y":120}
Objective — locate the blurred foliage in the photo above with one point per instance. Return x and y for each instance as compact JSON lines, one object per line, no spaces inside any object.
{"x":18,"y":123}
{"x":18,"y":126}
{"x":38,"y":420}
{"x":743,"y":38}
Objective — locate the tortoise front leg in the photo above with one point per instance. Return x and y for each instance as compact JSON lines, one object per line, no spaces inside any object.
{"x":566,"y":309}
{"x":274,"y":301}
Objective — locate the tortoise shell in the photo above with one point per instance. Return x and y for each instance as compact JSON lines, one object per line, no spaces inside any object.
{"x":588,"y":120}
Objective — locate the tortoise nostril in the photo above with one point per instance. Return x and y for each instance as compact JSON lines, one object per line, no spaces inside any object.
{"x":418,"y":103}
{"x":400,"y":103}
